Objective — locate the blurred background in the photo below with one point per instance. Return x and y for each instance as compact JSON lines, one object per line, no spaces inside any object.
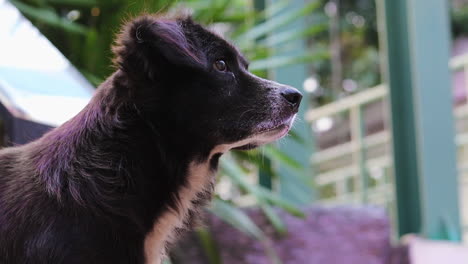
{"x":380,"y":148}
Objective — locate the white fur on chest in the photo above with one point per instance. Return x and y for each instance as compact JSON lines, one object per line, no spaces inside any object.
{"x":199,"y":175}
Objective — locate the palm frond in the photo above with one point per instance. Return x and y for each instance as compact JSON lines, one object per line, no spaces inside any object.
{"x":50,"y":17}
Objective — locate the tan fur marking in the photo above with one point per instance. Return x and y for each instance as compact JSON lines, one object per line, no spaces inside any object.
{"x":163,"y":229}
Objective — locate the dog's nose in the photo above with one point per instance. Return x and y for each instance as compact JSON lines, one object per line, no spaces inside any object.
{"x":293,"y":97}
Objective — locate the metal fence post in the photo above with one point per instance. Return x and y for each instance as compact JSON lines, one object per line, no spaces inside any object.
{"x":359,"y":150}
{"x":417,"y":40}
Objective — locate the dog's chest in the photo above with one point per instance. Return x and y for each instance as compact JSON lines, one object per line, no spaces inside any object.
{"x":165,"y":227}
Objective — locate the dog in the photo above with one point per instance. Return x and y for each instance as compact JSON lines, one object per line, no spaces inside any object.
{"x":120,"y":181}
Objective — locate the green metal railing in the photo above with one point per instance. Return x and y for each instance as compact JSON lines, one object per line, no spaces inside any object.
{"x":360,"y":170}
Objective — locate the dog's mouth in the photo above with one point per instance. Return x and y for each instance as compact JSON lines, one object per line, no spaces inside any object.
{"x":268,"y":133}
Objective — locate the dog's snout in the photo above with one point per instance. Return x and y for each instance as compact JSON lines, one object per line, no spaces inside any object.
{"x":293,"y":97}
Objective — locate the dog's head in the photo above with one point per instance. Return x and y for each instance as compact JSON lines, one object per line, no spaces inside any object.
{"x":197,"y":86}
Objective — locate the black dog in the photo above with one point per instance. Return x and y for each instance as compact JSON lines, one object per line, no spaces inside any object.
{"x":122,"y":179}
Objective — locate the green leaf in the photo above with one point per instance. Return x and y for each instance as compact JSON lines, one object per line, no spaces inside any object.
{"x":296,"y":137}
{"x":220,"y":9}
{"x":254,"y":157}
{"x":258,"y":17}
{"x":287,"y":36}
{"x":274,"y":219}
{"x":93,"y":79}
{"x":276,"y":154}
{"x":281,"y":61}
{"x":274,"y":8}
{"x":237,"y":218}
{"x":48,"y":16}
{"x":280,"y":202}
{"x":209,"y":246}
{"x":78,"y":3}
{"x":276,"y":22}
{"x":233,"y":18}
{"x":237,"y":175}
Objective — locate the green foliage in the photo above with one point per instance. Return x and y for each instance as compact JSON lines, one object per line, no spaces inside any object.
{"x":237,"y":218}
{"x":209,"y":246}
{"x":239,"y":176}
{"x":358,"y":47}
{"x":49,"y":17}
{"x":460,"y":19}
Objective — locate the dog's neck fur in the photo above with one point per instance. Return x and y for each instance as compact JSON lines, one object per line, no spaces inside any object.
{"x":159,"y":199}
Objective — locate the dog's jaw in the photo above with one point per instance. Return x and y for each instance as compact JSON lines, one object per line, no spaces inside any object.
{"x":265,"y":136}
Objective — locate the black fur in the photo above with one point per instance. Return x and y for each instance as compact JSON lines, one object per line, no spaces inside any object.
{"x":90,"y":190}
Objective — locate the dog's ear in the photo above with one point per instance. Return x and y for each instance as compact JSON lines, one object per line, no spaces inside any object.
{"x":147,"y":43}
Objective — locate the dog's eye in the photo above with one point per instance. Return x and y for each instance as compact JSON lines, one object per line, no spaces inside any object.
{"x":220,"y":65}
